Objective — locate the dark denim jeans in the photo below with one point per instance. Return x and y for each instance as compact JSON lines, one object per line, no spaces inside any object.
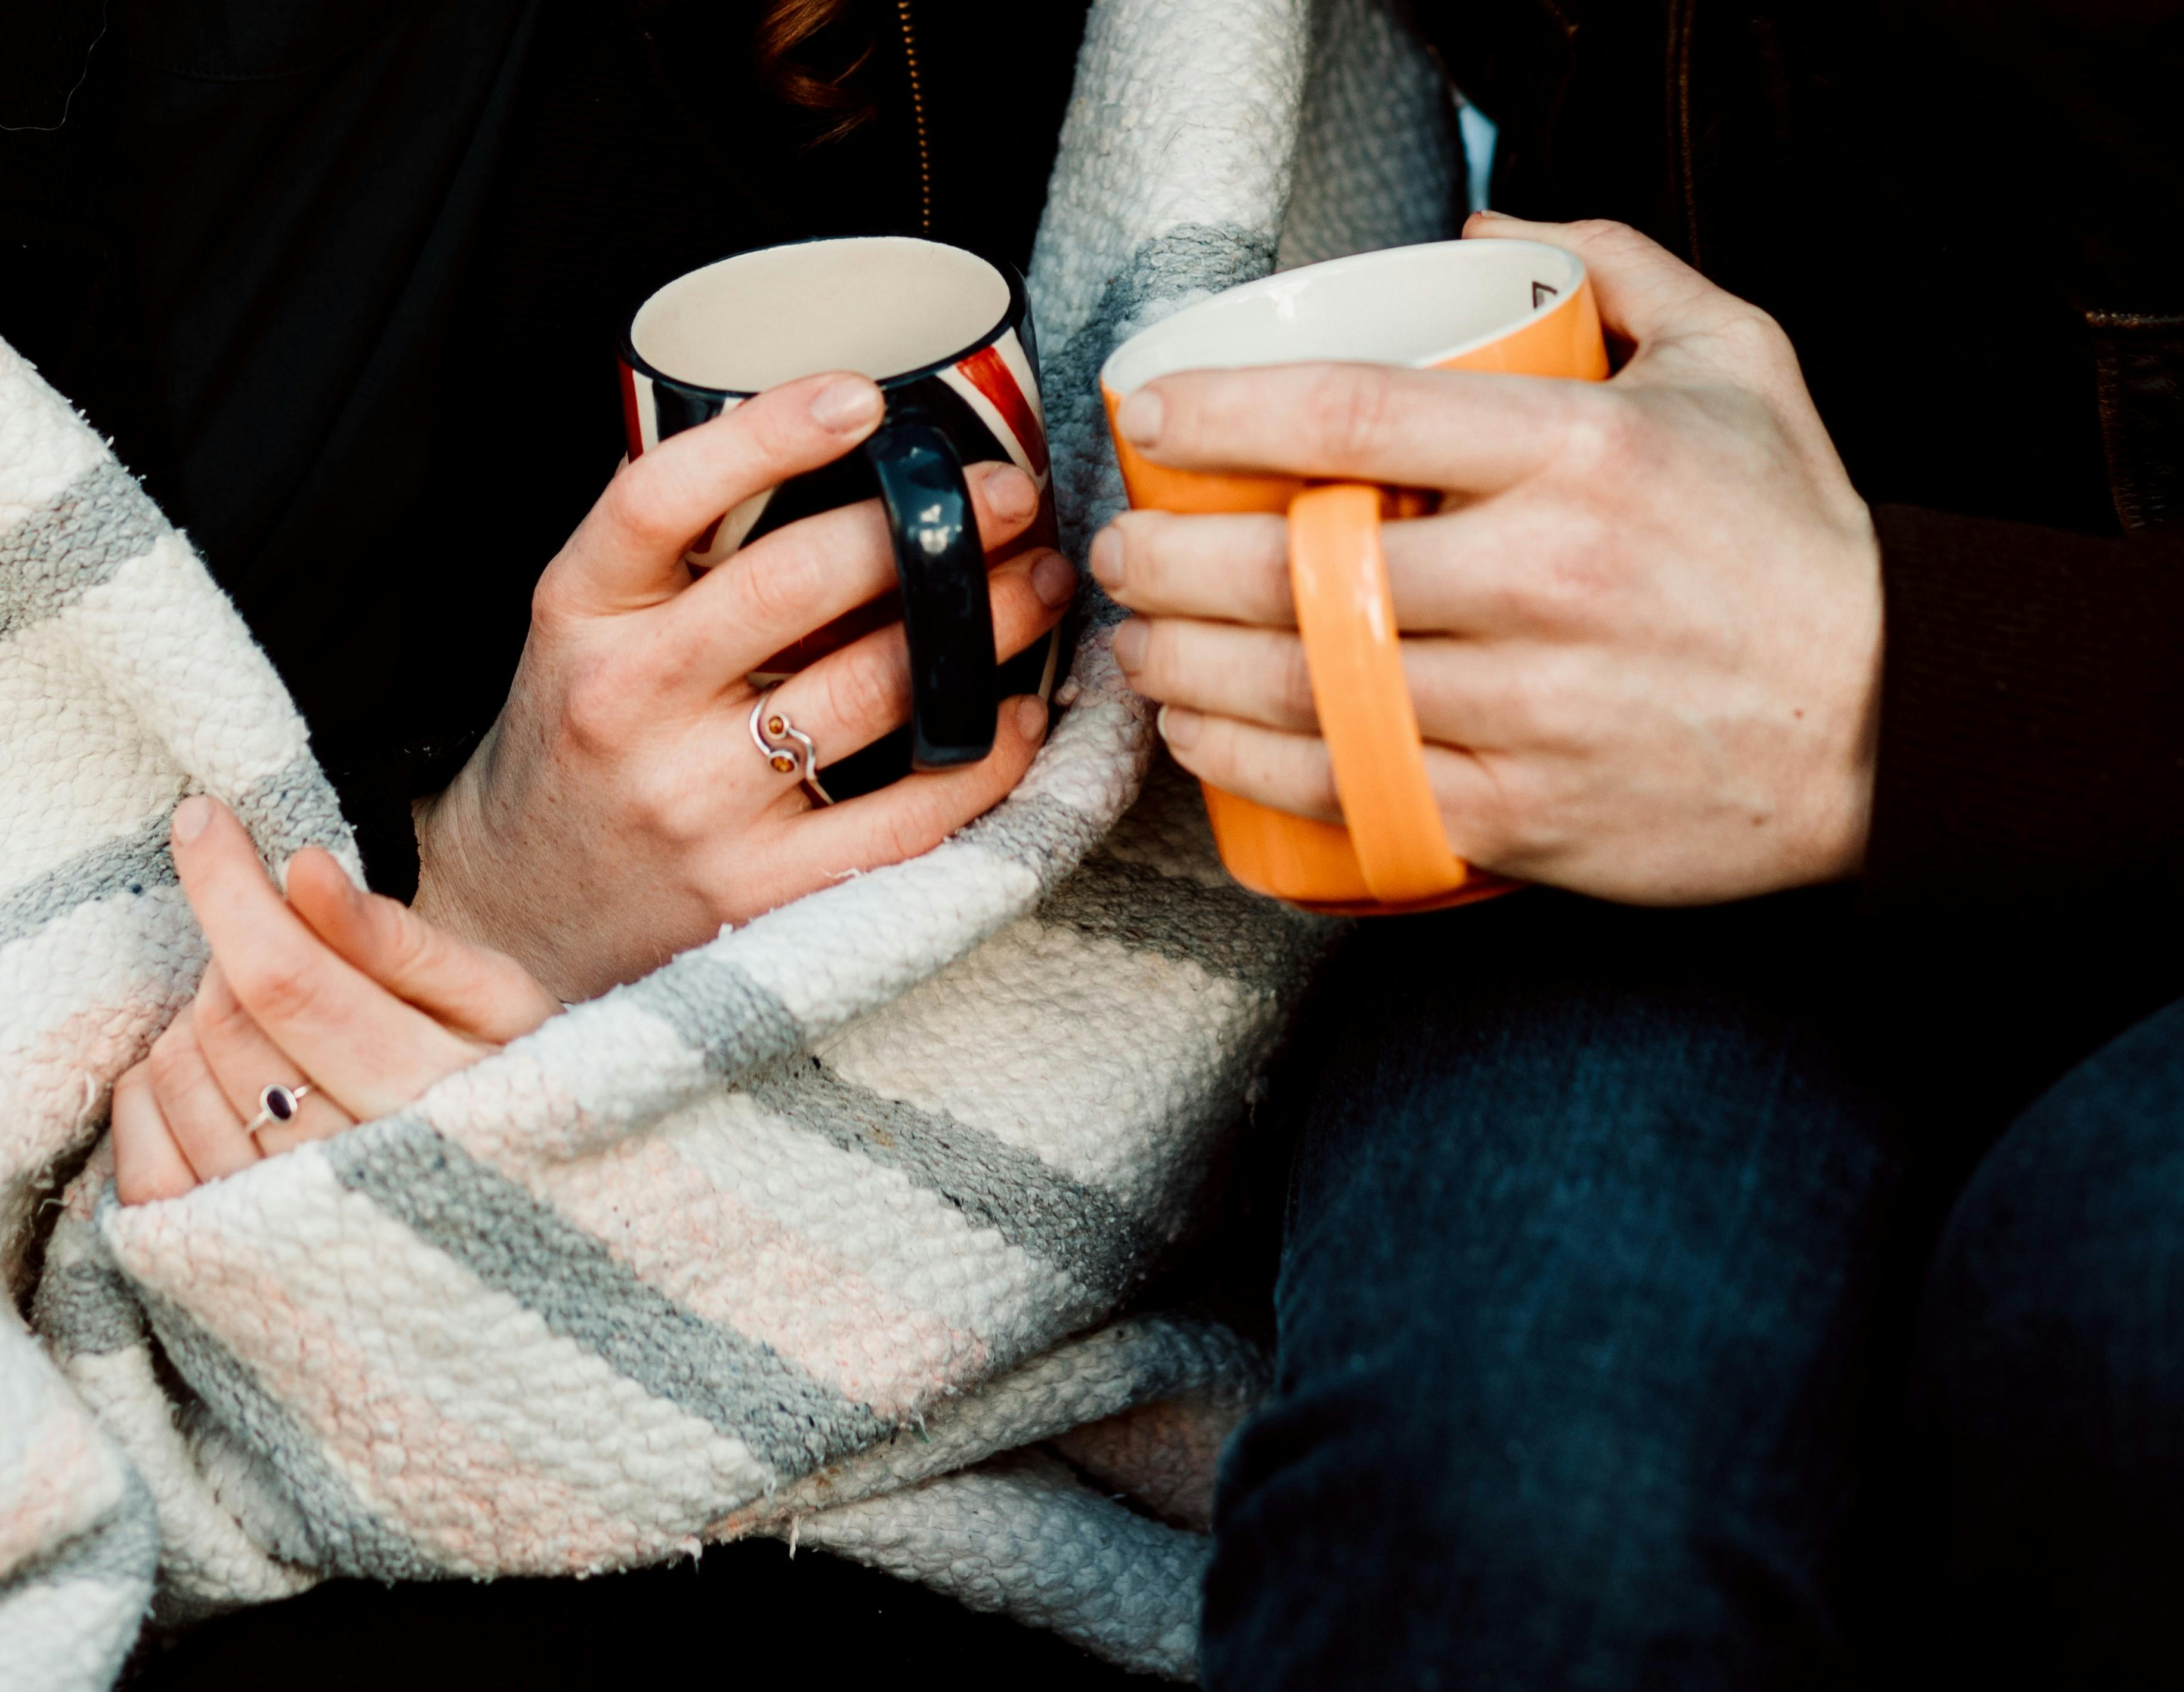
{"x":1664,"y":1305}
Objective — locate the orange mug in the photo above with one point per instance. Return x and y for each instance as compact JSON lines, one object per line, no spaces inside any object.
{"x":1518,"y":307}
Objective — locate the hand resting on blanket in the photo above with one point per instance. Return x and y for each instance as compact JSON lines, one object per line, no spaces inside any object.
{"x":347,"y":991}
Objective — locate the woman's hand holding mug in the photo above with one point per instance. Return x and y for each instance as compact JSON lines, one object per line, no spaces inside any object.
{"x":617,"y":813}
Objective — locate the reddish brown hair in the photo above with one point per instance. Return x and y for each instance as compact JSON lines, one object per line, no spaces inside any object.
{"x":789,"y":29}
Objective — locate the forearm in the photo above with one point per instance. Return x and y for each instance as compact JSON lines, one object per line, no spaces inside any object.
{"x":2032,"y":743}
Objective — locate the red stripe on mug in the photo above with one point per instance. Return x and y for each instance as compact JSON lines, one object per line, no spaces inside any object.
{"x":629,"y":417}
{"x":987,"y":371}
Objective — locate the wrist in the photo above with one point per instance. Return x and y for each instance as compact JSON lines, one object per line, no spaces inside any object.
{"x":472,"y":879}
{"x":1849,"y":823}
{"x":447,"y":827}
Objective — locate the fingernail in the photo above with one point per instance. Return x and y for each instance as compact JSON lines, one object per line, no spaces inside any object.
{"x":1010,"y":493}
{"x":1178,"y":725}
{"x":1031,"y":717}
{"x":1141,"y":417}
{"x":1053,"y":580}
{"x":847,"y":404}
{"x":191,"y":816}
{"x":1130,"y":645}
{"x":1484,"y":212}
{"x":1107,"y":558}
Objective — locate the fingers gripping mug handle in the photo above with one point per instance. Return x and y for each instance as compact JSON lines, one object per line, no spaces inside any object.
{"x":946,"y":608}
{"x":1352,"y":648}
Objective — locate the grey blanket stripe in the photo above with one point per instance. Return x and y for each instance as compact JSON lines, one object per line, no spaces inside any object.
{"x":1055,"y":1218}
{"x":292,"y":808}
{"x":85,"y":533}
{"x":286,"y":811}
{"x":1223,"y":929}
{"x":87,"y":1310}
{"x":125,"y":866}
{"x":345,"y":1535}
{"x":1176,"y":1353}
{"x":123,"y":1550}
{"x":522,"y":1247}
{"x":721,"y":1012}
{"x":1190,"y":258}
{"x":1041,"y":833}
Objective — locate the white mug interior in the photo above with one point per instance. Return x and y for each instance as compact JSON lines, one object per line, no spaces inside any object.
{"x":1404,"y":305}
{"x":881,"y":305}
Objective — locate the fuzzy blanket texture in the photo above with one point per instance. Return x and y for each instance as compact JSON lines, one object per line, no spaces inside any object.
{"x":821,"y":1230}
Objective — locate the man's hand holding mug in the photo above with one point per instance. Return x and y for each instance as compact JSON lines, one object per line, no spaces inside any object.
{"x":1642,"y":632}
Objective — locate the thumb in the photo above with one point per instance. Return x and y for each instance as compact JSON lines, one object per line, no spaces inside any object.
{"x":1646,"y":295}
{"x":627,"y":553}
{"x":469,"y":989}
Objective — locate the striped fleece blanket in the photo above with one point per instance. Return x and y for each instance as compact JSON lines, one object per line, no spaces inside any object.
{"x":820,"y":1230}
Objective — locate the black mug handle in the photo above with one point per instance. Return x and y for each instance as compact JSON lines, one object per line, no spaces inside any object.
{"x":946,"y":610}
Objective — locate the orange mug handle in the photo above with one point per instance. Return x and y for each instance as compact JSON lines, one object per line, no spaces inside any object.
{"x":1351,"y":648}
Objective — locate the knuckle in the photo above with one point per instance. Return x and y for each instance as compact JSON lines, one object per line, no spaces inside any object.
{"x":281,"y":991}
{"x":1615,"y":241}
{"x":668,"y":808}
{"x":1754,"y":333}
{"x":861,"y":691}
{"x":1492,"y":820}
{"x":1504,"y":808}
{"x":772,"y":433}
{"x":1609,"y":437}
{"x":1318,"y":775}
{"x":909,"y":832}
{"x":1296,"y":697}
{"x":1531,"y":697}
{"x":407,"y":946}
{"x":1535,"y":598}
{"x":625,"y":506}
{"x":1272,"y":556}
{"x":1148,"y":540}
{"x":1352,"y":402}
{"x":553,"y":606}
{"x":1603,"y":230}
{"x":595,"y":704}
{"x":670,"y":482}
{"x":219,"y":1019}
{"x":1578,"y":565}
{"x":169,"y":1064}
{"x":766,"y":591}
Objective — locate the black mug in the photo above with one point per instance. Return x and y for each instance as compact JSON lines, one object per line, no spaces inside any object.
{"x":948,"y":337}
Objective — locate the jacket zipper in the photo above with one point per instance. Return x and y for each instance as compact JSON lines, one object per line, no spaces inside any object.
{"x":917,"y":113}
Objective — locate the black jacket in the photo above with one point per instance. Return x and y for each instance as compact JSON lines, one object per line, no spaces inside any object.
{"x":1970,"y":221}
{"x":344,"y":277}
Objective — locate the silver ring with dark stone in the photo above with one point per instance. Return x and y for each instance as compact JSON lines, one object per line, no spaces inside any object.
{"x":277,"y":1103}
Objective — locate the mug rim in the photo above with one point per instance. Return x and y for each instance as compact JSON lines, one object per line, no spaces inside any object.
{"x":1018,"y":308}
{"x":1366,"y":260}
